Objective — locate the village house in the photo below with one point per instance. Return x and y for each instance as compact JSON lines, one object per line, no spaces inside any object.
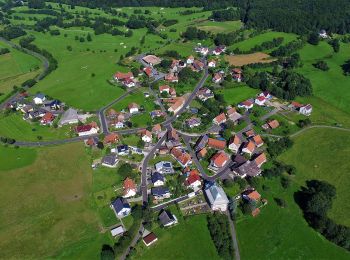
{"x":202,"y":50}
{"x":69,"y":117}
{"x":246,"y":104}
{"x":157,"y":179}
{"x":216,"y":144}
{"x":39,"y":99}
{"x":88,"y":129}
{"x":212,"y":64}
{"x":177,"y":105}
{"x":129,"y":188}
{"x":120,"y":76}
{"x":160,"y":193}
{"x":234,"y":143}
{"x":219,"y":50}
{"x":249,"y":168}
{"x":260,"y":100}
{"x":306,"y":110}
{"x":248,"y":147}
{"x":193,"y":122}
{"x":273,"y":124}
{"x":129,"y":82}
{"x":204,"y":94}
{"x":250,"y":133}
{"x":151,"y":60}
{"x":190,"y":60}
{"x":53,"y":105}
{"x":157,"y":129}
{"x":148,"y":71}
{"x":121,"y":207}
{"x":171,"y":77}
{"x":251,"y":195}
{"x":202,"y":153}
{"x":258,"y":140}
{"x":220,"y":119}
{"x":164,"y":167}
{"x":117,"y":231}
{"x":182,"y":157}
{"x":133,"y":108}
{"x":156,"y":114}
{"x":217,"y":198}
{"x":110,"y":161}
{"x":47,"y":119}
{"x":323,"y":34}
{"x":146,"y":136}
{"x":197,"y":66}
{"x":111,"y":138}
{"x":237,"y":74}
{"x":149,"y":239}
{"x":219,"y":160}
{"x":167,"y":219}
{"x":122,"y":150}
{"x":217,"y":78}
{"x":201,"y":142}
{"x":92,"y":141}
{"x":193,"y":180}
{"x":233,"y":115}
{"x":260,"y":160}
{"x":266,"y":95}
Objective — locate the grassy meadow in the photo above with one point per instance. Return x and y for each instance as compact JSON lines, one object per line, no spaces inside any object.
{"x":237,"y":94}
{"x":322,"y":154}
{"x":50,"y":207}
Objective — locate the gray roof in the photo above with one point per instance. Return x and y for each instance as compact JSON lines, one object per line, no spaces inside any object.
{"x":159,"y":191}
{"x":119,"y":204}
{"x":166,"y":217}
{"x":216,"y":195}
{"x":71,"y":115}
{"x":156,"y":176}
{"x":109,"y":159}
{"x":249,"y":168}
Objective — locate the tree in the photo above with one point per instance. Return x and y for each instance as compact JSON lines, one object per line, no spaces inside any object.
{"x":335,"y":44}
{"x":36,"y":4}
{"x":88,"y":37}
{"x":285,"y":182}
{"x":314,"y":38}
{"x":100,"y":145}
{"x":322,"y":65}
{"x":280,"y":202}
{"x":107,"y":253}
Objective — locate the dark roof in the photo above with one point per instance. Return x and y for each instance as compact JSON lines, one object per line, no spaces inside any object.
{"x":166,"y":217}
{"x":159,"y":191}
{"x":239,"y":160}
{"x":122,"y":148}
{"x":119,"y":204}
{"x":249,"y":168}
{"x":202,"y":142}
{"x":149,"y":238}
{"x":109,"y":159}
{"x":156,"y":176}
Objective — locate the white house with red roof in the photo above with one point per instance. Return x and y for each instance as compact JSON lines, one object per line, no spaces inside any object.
{"x":146,"y":136}
{"x":88,"y":129}
{"x":212,"y":64}
{"x":306,"y":110}
{"x":193,"y":180}
{"x":246,"y":104}
{"x":129,"y":82}
{"x":220,"y":119}
{"x":219,"y":50}
{"x":260,"y":100}
{"x":133,"y":108}
{"x":217,"y":78}
{"x":219,"y":160}
{"x":234,"y":143}
{"x":120,"y":76}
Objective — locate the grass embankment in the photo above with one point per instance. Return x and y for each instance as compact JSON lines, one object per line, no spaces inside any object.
{"x":50,"y":206}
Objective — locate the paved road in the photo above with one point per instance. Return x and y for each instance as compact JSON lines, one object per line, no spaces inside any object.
{"x":133,"y":242}
{"x":234,"y":237}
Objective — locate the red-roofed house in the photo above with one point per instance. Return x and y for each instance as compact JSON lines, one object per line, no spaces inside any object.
{"x":177,"y":105}
{"x":217,"y":78}
{"x":170,"y":77}
{"x":129,"y":187}
{"x":212,"y":64}
{"x":111,"y":138}
{"x":120,"y":76}
{"x":183,"y":158}
{"x":47,"y":119}
{"x":260,"y":100}
{"x":219,"y":160}
{"x":148,"y":71}
{"x":234,"y":143}
{"x":149,"y":239}
{"x":88,"y":129}
{"x":128,"y":82}
{"x":249,"y":148}
{"x":273,"y":124}
{"x":193,"y":180}
{"x":306,"y":110}
{"x":258,"y":141}
{"x":246,"y":104}
{"x":237,"y":74}
{"x":146,"y":136}
{"x":133,"y":108}
{"x":220,"y":119}
{"x":260,"y":159}
{"x":216,"y":144}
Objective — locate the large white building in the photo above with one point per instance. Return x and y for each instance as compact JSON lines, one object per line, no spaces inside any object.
{"x":217,"y":198}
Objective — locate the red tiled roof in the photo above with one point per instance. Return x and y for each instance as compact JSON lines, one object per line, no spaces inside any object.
{"x":255,"y":212}
{"x":133,"y":105}
{"x":257,"y":140}
{"x":235,"y":139}
{"x":217,"y":144}
{"x":254,"y":195}
{"x":250,"y":133}
{"x":250,"y":146}
{"x":111,"y":138}
{"x":129,"y":184}
{"x":202,"y":152}
{"x":193,"y":178}
{"x":164,"y":88}
{"x":83,"y":128}
{"x":149,"y":238}
{"x":231,"y":111}
{"x":148,"y":71}
{"x":121,"y":75}
{"x":220,"y":159}
{"x":48,"y":117}
{"x":260,"y":159}
{"x":220,"y":118}
{"x":273,"y":124}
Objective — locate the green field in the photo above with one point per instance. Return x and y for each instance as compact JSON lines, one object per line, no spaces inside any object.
{"x":13,"y":126}
{"x":323,"y":154}
{"x":248,"y":44}
{"x":190,"y":239}
{"x":235,"y":95}
{"x":47,"y":204}
{"x":15,"y":68}
{"x":219,"y":27}
{"x":11,"y":158}
{"x":331,"y":85}
{"x":282,"y":233}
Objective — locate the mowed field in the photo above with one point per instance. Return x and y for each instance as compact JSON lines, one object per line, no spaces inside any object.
{"x":46,"y":205}
{"x":323,"y":154}
{"x":330,"y":86}
{"x":282,"y":233}
{"x":235,"y":95}
{"x":219,"y":27}
{"x":15,"y":68}
{"x":190,"y":239}
{"x":245,"y":59}
{"x":249,"y":43}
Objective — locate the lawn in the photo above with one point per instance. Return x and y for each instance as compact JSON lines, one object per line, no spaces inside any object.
{"x":331,"y":85}
{"x":190,"y":239}
{"x":50,"y":207}
{"x":15,"y":68}
{"x":235,"y":95}
{"x":248,"y":44}
{"x":13,"y":126}
{"x":219,"y":27}
{"x":282,"y":233}
{"x":11,"y":158}
{"x":323,"y":154}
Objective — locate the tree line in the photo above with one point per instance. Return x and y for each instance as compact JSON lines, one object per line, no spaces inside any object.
{"x":316,"y":200}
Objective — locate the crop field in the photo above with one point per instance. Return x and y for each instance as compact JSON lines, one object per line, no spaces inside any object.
{"x":323,"y":154}
{"x":50,"y":207}
{"x":15,"y":68}
{"x":191,"y":237}
{"x":331,"y":85}
{"x":245,"y":59}
{"x":249,"y":43}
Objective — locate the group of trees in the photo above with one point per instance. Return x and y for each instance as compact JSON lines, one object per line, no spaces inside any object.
{"x":301,"y":17}
{"x":230,"y":14}
{"x":276,"y":147}
{"x":11,"y":32}
{"x":219,"y":228}
{"x":316,"y":200}
{"x":285,"y":84}
{"x":322,"y":65}
{"x":4,"y":51}
{"x":192,"y":33}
